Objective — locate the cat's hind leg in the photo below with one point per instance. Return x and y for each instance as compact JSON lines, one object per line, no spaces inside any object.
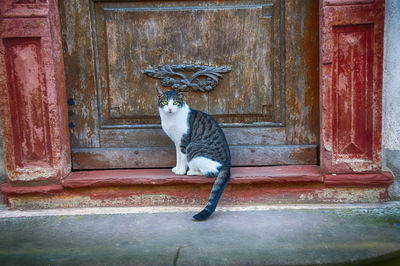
{"x":194,"y":172}
{"x":203,"y":166}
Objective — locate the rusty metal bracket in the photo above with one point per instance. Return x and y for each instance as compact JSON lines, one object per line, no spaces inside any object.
{"x":204,"y":78}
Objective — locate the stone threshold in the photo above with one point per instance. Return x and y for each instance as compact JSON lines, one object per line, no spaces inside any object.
{"x":239,"y":175}
{"x":7,"y":213}
{"x":300,"y":175}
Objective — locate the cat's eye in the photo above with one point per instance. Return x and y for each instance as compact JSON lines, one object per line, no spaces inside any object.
{"x":164,"y":102}
{"x":176,"y":102}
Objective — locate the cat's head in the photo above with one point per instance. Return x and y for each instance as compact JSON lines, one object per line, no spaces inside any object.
{"x":170,"y":102}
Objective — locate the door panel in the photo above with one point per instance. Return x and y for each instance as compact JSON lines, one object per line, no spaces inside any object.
{"x":113,"y":113}
{"x":106,"y":158}
{"x":134,"y":36}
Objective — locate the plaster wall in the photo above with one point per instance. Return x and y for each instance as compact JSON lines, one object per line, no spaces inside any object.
{"x":391,"y":95}
{"x":2,"y":162}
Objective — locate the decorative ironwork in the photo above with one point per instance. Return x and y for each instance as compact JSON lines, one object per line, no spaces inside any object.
{"x":204,"y":79}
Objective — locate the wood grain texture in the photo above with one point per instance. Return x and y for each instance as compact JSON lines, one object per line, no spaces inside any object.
{"x":302,"y":76}
{"x":80,"y":73}
{"x":352,"y":92}
{"x":243,"y":35}
{"x":157,"y":138}
{"x":116,"y":107}
{"x":351,"y":85}
{"x":28,"y":88}
{"x":32,"y":92}
{"x":108,"y":158}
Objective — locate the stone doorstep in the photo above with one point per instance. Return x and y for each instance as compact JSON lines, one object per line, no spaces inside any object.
{"x":164,"y":177}
{"x":239,"y":176}
{"x":248,"y":185}
{"x":284,"y":175}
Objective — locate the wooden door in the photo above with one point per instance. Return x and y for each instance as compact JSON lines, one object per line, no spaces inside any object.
{"x":267,"y":104}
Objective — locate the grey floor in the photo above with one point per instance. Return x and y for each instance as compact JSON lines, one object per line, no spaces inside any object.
{"x":287,"y":236}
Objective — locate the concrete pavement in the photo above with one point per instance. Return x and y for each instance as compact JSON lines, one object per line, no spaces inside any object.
{"x":254,"y":235}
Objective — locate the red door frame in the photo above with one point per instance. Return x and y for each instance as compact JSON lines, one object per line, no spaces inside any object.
{"x":33,"y":91}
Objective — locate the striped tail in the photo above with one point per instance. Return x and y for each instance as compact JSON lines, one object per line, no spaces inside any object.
{"x":217,"y":189}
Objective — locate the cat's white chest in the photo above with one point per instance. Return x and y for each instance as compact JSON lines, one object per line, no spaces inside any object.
{"x":175,"y":125}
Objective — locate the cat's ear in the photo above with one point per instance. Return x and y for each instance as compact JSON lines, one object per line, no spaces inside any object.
{"x":160,"y":92}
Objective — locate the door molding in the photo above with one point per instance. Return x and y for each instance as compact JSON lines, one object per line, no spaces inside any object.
{"x":34,"y":113}
{"x":351,"y":94}
{"x":33,"y":92}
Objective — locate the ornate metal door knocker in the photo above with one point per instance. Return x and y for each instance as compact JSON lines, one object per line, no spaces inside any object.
{"x":204,"y":78}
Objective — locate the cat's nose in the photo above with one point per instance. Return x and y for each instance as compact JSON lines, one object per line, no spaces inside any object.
{"x":170,"y":109}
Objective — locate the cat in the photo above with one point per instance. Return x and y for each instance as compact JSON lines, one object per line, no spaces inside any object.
{"x":200,"y":145}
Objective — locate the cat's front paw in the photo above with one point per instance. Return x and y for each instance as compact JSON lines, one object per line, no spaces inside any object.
{"x":175,"y":170}
{"x":179,"y":171}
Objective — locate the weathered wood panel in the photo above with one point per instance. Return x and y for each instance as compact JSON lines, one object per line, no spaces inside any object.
{"x":301,"y":66}
{"x":250,"y":40}
{"x":32,"y":92}
{"x":351,"y":85}
{"x":108,"y":158}
{"x":242,"y":35}
{"x":157,"y":138}
{"x":116,"y":107}
{"x":27,"y":88}
{"x":80,"y":73}
{"x":352,"y":92}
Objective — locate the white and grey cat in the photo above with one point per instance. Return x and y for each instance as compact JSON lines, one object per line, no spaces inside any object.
{"x":200,"y":145}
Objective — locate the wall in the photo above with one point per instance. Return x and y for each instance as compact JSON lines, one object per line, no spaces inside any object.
{"x":2,"y":163}
{"x":391,"y":100}
{"x":391,"y":95}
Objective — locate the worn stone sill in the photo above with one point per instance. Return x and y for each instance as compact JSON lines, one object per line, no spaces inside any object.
{"x":274,"y":175}
{"x":239,"y":175}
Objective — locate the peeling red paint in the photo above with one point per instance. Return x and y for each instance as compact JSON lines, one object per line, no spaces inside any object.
{"x":377,"y":179}
{"x":26,"y":91}
{"x":32,"y":92}
{"x":300,"y":184}
{"x":9,"y":190}
{"x":234,"y":195}
{"x":159,"y":177}
{"x":351,"y":52}
{"x":37,"y":142}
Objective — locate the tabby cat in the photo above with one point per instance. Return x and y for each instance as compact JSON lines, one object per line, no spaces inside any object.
{"x":200,"y":145}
